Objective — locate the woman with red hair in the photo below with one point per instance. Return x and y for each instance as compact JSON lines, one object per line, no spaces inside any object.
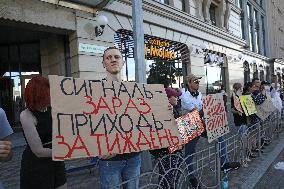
{"x":37,"y":168}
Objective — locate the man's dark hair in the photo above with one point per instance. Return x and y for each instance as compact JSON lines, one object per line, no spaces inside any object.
{"x":254,"y":79}
{"x":109,"y":48}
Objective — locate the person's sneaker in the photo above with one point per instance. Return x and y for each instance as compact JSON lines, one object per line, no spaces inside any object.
{"x":248,"y":159}
{"x":231,"y":165}
{"x":194,"y":183}
{"x":245,"y":164}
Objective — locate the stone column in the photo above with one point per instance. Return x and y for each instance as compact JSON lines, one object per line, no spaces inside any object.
{"x":198,"y":12}
{"x":253,"y":29}
{"x":206,"y":6}
{"x":245,"y":20}
{"x":227,"y":14}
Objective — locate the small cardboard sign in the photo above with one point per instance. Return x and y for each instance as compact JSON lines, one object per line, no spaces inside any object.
{"x":247,"y":104}
{"x":237,"y":103}
{"x":95,"y":118}
{"x":215,"y":116}
{"x":265,"y":109}
{"x":190,"y":126}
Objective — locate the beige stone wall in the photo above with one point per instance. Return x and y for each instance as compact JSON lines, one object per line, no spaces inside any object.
{"x":52,"y":56}
{"x":275,"y":22}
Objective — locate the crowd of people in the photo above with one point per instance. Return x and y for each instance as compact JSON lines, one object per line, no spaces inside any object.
{"x":39,"y":171}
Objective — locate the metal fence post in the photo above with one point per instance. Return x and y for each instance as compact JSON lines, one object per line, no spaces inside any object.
{"x":218,"y":164}
{"x":259,"y":139}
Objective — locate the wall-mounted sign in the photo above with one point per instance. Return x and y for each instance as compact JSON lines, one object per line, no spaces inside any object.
{"x":155,"y":48}
{"x":89,"y":48}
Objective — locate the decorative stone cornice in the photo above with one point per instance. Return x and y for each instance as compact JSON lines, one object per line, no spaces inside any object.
{"x":177,"y":15}
{"x":255,"y":55}
{"x":236,"y":9}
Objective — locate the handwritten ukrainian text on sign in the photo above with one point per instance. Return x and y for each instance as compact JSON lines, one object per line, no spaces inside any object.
{"x":265,"y":109}
{"x":247,"y":104}
{"x":92,"y":118}
{"x":215,"y":116}
{"x":190,"y":126}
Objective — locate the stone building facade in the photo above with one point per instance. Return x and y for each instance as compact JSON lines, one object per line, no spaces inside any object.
{"x":208,"y":38}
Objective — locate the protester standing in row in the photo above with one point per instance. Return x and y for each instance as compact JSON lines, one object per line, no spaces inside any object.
{"x":169,"y":163}
{"x":5,"y":144}
{"x":37,"y":168}
{"x":240,"y":120}
{"x":118,"y":167}
{"x":275,"y":94}
{"x":191,"y":99}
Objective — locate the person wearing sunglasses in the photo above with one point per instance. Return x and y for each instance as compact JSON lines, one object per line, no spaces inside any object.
{"x":191,"y":99}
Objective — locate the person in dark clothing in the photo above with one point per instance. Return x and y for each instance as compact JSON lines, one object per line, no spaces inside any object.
{"x":240,"y":121}
{"x":169,"y":163}
{"x":37,"y":168}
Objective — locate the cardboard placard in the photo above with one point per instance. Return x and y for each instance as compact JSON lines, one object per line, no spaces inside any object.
{"x":215,"y":116}
{"x":94,"y":118}
{"x":190,"y":126}
{"x":247,"y":104}
{"x":237,"y":103}
{"x":265,"y":109}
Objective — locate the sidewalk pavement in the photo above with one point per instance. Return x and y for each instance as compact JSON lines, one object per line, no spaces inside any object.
{"x":273,"y":178}
{"x":253,"y":176}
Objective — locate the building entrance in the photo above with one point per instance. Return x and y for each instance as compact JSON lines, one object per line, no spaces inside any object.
{"x":21,"y":58}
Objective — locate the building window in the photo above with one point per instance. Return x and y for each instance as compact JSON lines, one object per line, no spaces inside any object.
{"x":238,"y":3}
{"x":212,"y":12}
{"x":256,"y":31}
{"x":183,"y":5}
{"x":250,"y":38}
{"x":261,"y":3}
{"x":164,"y":2}
{"x":246,"y":72}
{"x":248,"y":11}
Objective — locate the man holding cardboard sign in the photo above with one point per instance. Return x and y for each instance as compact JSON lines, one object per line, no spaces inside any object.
{"x":126,"y":166}
{"x":110,"y":119}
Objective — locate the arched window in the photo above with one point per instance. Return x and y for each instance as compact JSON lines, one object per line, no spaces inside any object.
{"x":261,"y":72}
{"x":246,"y":72}
{"x":255,"y":71}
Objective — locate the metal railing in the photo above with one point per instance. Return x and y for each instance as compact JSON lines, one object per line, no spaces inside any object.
{"x":240,"y":146}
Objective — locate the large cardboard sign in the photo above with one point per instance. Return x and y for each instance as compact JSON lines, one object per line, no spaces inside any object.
{"x":237,"y":103}
{"x":94,"y":118}
{"x":265,"y":109}
{"x":247,"y":104}
{"x":215,"y":116}
{"x":190,"y":126}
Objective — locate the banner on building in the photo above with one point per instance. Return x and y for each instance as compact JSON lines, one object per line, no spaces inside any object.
{"x":190,"y":126}
{"x":265,"y":109}
{"x":215,"y":116}
{"x":247,"y":104}
{"x":237,"y":103}
{"x":94,"y":118}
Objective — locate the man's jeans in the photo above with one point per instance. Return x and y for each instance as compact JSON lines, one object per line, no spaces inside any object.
{"x":112,"y":173}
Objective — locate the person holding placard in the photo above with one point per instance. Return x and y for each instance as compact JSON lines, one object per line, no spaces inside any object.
{"x":169,"y":178}
{"x":240,"y":120}
{"x":191,"y":99}
{"x":37,"y":168}
{"x":118,"y":167}
{"x":5,"y":143}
